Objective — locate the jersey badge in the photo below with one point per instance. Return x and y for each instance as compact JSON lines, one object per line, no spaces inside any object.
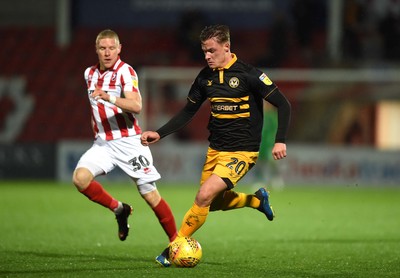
{"x":209,"y":83}
{"x":135,"y":82}
{"x":234,"y":82}
{"x":264,"y":78}
{"x":114,"y":76}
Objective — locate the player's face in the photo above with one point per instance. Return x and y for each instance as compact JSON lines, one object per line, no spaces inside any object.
{"x":216,"y":54}
{"x":108,"y":50}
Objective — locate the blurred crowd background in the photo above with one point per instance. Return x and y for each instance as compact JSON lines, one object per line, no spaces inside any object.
{"x":47,"y":44}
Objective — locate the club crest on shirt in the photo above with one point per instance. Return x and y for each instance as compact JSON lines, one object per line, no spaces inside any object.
{"x":264,"y":78}
{"x":114,"y":76}
{"x":234,"y":82}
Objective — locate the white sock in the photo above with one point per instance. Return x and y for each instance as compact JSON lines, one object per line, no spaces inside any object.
{"x":118,"y":209}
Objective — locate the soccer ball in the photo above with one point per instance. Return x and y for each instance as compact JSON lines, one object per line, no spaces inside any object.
{"x":185,"y":252}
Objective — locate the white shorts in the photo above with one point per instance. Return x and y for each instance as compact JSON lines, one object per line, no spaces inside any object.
{"x":128,"y":154}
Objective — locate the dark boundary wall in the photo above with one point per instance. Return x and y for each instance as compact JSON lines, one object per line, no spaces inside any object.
{"x":27,"y":161}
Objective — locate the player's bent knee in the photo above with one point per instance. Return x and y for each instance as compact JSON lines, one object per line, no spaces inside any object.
{"x":81,"y":178}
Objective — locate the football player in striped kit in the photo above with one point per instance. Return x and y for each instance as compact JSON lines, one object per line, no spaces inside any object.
{"x":236,"y":91}
{"x":114,"y":96}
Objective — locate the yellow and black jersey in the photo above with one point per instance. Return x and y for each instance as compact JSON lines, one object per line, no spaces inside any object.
{"x":236,"y":93}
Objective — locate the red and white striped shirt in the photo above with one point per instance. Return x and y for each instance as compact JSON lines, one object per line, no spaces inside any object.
{"x":108,"y":121}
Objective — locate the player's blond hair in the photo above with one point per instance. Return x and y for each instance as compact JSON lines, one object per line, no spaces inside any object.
{"x":107,"y":33}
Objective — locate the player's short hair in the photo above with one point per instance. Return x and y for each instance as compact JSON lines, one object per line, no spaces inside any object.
{"x":219,"y":32}
{"x":107,"y":33}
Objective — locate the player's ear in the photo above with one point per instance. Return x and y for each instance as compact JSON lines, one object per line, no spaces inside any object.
{"x":227,"y":46}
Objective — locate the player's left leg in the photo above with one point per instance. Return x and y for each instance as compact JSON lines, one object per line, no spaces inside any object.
{"x":230,"y":199}
{"x":234,"y":166}
{"x":161,"y":209}
{"x":265,"y":207}
{"x":165,"y":216}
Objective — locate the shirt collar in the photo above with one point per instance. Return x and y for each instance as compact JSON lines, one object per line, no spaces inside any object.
{"x":231,"y":62}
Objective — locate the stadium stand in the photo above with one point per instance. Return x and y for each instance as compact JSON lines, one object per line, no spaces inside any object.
{"x":54,"y":75}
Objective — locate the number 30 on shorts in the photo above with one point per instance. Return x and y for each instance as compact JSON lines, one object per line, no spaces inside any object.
{"x":139,"y":162}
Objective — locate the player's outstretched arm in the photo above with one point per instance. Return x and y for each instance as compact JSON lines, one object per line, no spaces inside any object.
{"x":181,"y":119}
{"x":149,"y":137}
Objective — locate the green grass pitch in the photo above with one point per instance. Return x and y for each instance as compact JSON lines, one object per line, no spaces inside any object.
{"x":50,"y":230}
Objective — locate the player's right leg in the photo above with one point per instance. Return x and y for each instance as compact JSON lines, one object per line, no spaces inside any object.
{"x":122,"y":220}
{"x":196,"y":216}
{"x":89,"y":166}
{"x":85,"y":183}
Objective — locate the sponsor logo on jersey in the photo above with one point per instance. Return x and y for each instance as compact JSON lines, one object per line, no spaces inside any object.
{"x":234,"y":82}
{"x":264,"y":78}
{"x":209,"y":83}
{"x":224,"y":107}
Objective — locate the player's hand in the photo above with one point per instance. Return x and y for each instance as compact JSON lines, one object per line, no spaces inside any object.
{"x":279,"y":151}
{"x":149,"y":137}
{"x":98,"y":94}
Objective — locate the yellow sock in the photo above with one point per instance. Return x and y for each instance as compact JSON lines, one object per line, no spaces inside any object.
{"x":193,"y":220}
{"x":234,"y":200}
{"x":254,"y":202}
